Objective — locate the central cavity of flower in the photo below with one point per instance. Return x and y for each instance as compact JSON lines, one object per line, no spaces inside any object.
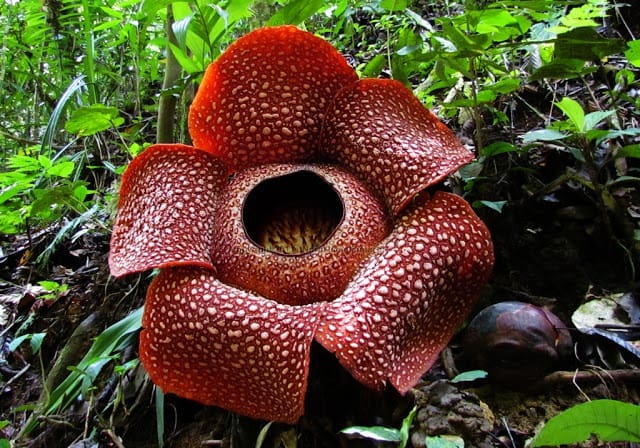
{"x":295,"y":234}
{"x":292,"y":214}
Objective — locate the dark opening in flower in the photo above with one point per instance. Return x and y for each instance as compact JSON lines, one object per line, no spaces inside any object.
{"x":292,"y":214}
{"x":324,"y":232}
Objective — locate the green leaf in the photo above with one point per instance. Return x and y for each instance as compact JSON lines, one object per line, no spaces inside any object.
{"x":471,"y":375}
{"x":542,"y":135}
{"x":394,"y":5}
{"x":444,"y":442}
{"x":586,"y":44}
{"x":493,"y":205}
{"x":262,"y":435}
{"x":13,"y":345}
{"x":379,"y":433}
{"x":496,"y":148}
{"x":591,"y":120}
{"x":295,"y":12}
{"x":188,"y":64}
{"x":35,"y":339}
{"x":374,"y":66}
{"x":560,"y":69}
{"x":609,"y":420}
{"x":61,"y":169}
{"x":93,"y":119}
{"x":112,"y":339}
{"x":633,"y":53}
{"x":630,"y":151}
{"x":573,"y":110}
{"x":406,"y":426}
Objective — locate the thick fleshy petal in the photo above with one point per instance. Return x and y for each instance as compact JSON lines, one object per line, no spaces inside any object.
{"x":320,"y":274}
{"x":165,"y":212}
{"x":264,"y":99}
{"x":381,"y":131}
{"x":400,"y":311}
{"x":209,"y":342}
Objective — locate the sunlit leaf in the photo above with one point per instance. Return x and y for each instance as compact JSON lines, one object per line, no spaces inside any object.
{"x":295,"y":12}
{"x":393,"y":5}
{"x":61,"y":169}
{"x":633,"y":53}
{"x":542,"y":135}
{"x":609,"y":420}
{"x":379,"y":433}
{"x":93,"y":119}
{"x":573,"y":110}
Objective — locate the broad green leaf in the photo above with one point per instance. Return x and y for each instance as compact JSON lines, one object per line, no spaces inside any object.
{"x":496,"y":148}
{"x":44,"y":162}
{"x":49,"y":285}
{"x":379,"y":433}
{"x":586,"y":44}
{"x":295,"y":12}
{"x":485,"y":96}
{"x":507,"y":85}
{"x":444,"y":442}
{"x":633,"y":53}
{"x":566,"y":68}
{"x":573,"y":110}
{"x":471,"y":375}
{"x":394,"y":5}
{"x":374,"y":66}
{"x":150,"y":7}
{"x":35,"y":340}
{"x":592,"y":119}
{"x":14,"y":190}
{"x":609,"y":420}
{"x":24,"y":163}
{"x":493,"y":205}
{"x":630,"y":151}
{"x":542,"y":135}
{"x":188,"y":64}
{"x":13,"y":345}
{"x":61,"y":169}
{"x":47,"y":199}
{"x":93,"y":119}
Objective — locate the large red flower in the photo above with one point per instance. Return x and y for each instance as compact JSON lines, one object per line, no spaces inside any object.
{"x":300,"y":214}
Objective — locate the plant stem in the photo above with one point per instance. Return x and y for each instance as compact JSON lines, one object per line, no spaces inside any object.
{"x":167,"y":104}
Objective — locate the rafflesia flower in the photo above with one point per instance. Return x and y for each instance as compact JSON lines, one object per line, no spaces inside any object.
{"x":299,"y":214}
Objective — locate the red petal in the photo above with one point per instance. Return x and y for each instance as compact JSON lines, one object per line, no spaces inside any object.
{"x":382,"y":132}
{"x":318,"y":275}
{"x":264,"y":99}
{"x":165,"y":209}
{"x":209,"y":342}
{"x":401,"y":310}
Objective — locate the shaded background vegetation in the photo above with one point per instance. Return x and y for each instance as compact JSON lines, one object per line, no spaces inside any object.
{"x":546,"y":92}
